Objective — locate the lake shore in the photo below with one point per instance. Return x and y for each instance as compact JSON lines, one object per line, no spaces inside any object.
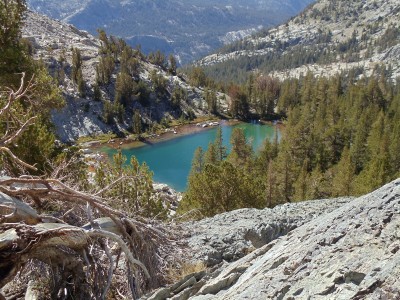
{"x":168,"y":134}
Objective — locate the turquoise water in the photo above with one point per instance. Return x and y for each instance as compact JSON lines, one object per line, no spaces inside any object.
{"x":171,"y":160}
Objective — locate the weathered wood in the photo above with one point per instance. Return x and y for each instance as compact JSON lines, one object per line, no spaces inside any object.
{"x":13,"y":210}
{"x":106,"y":224}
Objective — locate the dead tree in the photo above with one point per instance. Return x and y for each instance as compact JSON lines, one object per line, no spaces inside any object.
{"x":82,"y":256}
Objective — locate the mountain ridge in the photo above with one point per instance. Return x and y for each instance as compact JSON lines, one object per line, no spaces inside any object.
{"x":329,"y":37}
{"x":184,"y":25}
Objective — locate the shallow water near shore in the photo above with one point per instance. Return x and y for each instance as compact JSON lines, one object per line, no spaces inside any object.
{"x":171,"y":160}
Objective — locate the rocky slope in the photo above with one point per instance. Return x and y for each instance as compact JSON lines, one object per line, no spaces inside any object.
{"x":351,"y":252}
{"x":189,"y":29}
{"x":53,"y":41}
{"x":329,"y":37}
{"x":232,"y":235}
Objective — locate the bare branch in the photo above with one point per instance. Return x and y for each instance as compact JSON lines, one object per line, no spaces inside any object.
{"x":110,"y":271}
{"x":14,"y":126}
{"x":114,"y":183}
{"x":9,"y":139}
{"x":125,"y":249}
{"x":16,"y":159}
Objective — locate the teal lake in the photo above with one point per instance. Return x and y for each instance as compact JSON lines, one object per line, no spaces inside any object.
{"x":171,"y":160}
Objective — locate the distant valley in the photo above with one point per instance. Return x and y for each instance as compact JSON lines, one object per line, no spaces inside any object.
{"x":188,"y":29}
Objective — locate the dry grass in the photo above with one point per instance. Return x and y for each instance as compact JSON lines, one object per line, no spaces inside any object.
{"x":179,"y":272}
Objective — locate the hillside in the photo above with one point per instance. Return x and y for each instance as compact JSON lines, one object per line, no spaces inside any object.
{"x":53,"y":41}
{"x":189,"y":29}
{"x":329,"y":37}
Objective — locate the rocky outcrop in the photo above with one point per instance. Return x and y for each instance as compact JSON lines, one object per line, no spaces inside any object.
{"x":232,"y":235}
{"x":168,"y":195}
{"x":351,"y":252}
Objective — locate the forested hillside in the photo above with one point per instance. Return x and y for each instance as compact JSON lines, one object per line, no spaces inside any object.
{"x":340,"y":137}
{"x":328,"y":37}
{"x":108,"y":85}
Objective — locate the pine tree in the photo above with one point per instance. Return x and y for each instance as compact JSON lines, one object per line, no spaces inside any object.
{"x":172,"y":64}
{"x":211,"y":99}
{"x":219,"y":145}
{"x":197,"y":162}
{"x":104,"y":69}
{"x":134,"y":194}
{"x":301,"y":185}
{"x":137,"y":123}
{"x":81,"y":84}
{"x":96,"y":92}
{"x":343,"y":179}
{"x":12,"y":57}
{"x":285,"y":171}
{"x":211,"y":155}
{"x":76,"y":65}
{"x":124,"y":89}
{"x":241,"y":151}
{"x":15,"y":58}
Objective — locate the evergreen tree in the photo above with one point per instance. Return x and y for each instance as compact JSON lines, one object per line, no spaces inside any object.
{"x":179,"y":96}
{"x":159,"y":83}
{"x":124,"y":89}
{"x":157,"y":58}
{"x":76,"y":65}
{"x":241,"y":152}
{"x":197,"y":162}
{"x":104,"y":70}
{"x":211,"y":99}
{"x":239,"y":106}
{"x":219,"y":145}
{"x":134,"y":194}
{"x":301,"y":185}
{"x":35,"y":145}
{"x":143,"y":93}
{"x":96,"y":92}
{"x":172,"y":64}
{"x":129,"y":64}
{"x":137,"y":123}
{"x":12,"y":57}
{"x":211,"y":155}
{"x":81,"y":84}
{"x":343,"y":180}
